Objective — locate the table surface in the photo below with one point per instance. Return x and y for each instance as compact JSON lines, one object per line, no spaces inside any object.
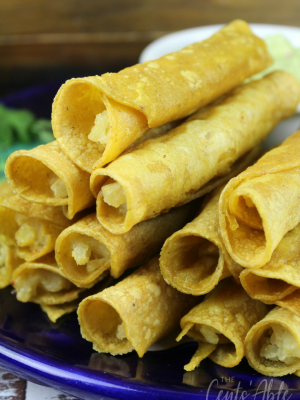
{"x":14,"y":388}
{"x":42,"y":41}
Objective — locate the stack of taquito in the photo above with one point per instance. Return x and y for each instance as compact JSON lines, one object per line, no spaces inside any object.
{"x":248,"y":228}
{"x":143,"y":146}
{"x":259,"y":225}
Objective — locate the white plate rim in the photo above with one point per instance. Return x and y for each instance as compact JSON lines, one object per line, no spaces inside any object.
{"x":179,"y":39}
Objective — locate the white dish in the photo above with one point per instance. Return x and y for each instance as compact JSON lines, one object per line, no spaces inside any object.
{"x":177,"y":40}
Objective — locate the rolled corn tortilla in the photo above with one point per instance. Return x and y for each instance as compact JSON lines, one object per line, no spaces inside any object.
{"x":133,"y":314}
{"x":166,"y":171}
{"x":272,"y":345}
{"x":280,"y":276}
{"x":194,"y":259}
{"x":42,"y":282}
{"x":9,"y":261}
{"x":96,"y":118}
{"x":236,"y":168}
{"x":32,"y":228}
{"x":258,"y":207}
{"x":46,"y":175}
{"x":220,"y":324}
{"x":86,"y":250}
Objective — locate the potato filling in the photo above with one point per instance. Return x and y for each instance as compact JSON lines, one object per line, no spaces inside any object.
{"x":92,"y":265}
{"x":210,"y":334}
{"x":120,"y":333}
{"x":29,"y":285}
{"x":280,"y":346}
{"x":100,"y":130}
{"x":88,"y":251}
{"x":81,"y":253}
{"x":114,"y":194}
{"x":58,"y":188}
{"x":32,"y":232}
{"x":26,"y":235}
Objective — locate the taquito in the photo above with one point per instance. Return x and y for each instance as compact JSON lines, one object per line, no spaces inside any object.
{"x":280,"y":276}
{"x":42,"y":282}
{"x":164,"y":172}
{"x":96,"y":118}
{"x":32,"y":228}
{"x":46,"y":175}
{"x":258,"y":207}
{"x":194,"y":259}
{"x":85,"y":250}
{"x":133,"y":314}
{"x":9,"y":261}
{"x":272,"y":346}
{"x":220,"y":324}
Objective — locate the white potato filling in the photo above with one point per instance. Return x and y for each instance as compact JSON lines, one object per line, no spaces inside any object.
{"x":28,"y":285}
{"x":92,"y":265}
{"x":121,"y":331}
{"x":26,"y":235}
{"x":114,"y":194}
{"x":32,"y":232}
{"x":210,"y":334}
{"x":81,"y":253}
{"x":281,"y":346}
{"x":59,"y":189}
{"x":88,"y":251}
{"x":100,"y":130}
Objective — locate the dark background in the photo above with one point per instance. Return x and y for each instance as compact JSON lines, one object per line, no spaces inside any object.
{"x":43,"y":41}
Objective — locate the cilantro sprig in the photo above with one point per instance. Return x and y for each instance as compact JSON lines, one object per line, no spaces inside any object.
{"x":21,"y":129}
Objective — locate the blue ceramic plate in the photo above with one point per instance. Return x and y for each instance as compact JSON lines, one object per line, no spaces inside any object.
{"x":33,"y":348}
{"x":55,"y":355}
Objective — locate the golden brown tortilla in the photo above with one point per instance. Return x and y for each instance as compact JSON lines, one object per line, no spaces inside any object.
{"x":220,"y":324}
{"x":133,"y":314}
{"x":194,"y":259}
{"x":46,"y":175}
{"x":258,"y":207}
{"x":96,"y":118}
{"x":280,"y":276}
{"x":86,"y":250}
{"x":273,"y":345}
{"x":166,"y":171}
